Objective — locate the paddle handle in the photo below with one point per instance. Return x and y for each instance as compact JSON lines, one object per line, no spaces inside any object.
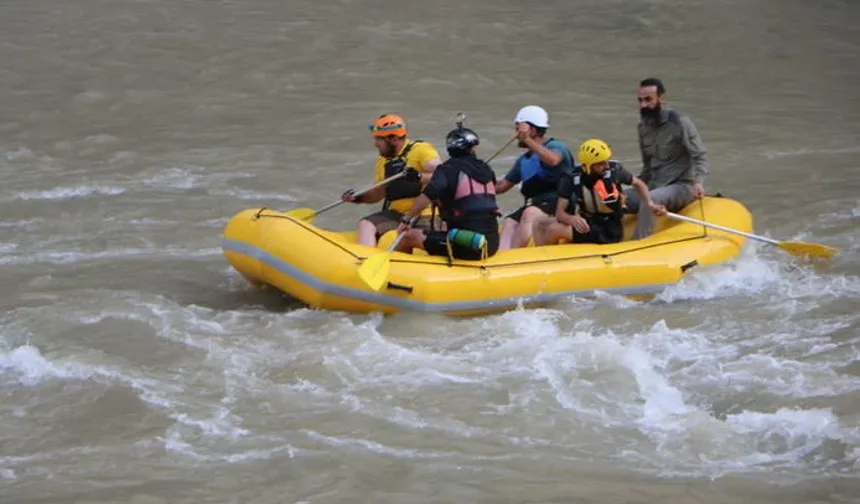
{"x":401,"y":235}
{"x":397,"y":241}
{"x":381,"y":183}
{"x":368,"y":188}
{"x":327,"y":207}
{"x":501,"y":149}
{"x":721,"y":228}
{"x":392,"y":178}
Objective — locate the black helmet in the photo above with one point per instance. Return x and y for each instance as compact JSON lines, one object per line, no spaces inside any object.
{"x":460,"y":141}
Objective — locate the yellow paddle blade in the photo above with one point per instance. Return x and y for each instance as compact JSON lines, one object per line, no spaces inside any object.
{"x":801,"y":249}
{"x":374,"y":270}
{"x":301,"y":213}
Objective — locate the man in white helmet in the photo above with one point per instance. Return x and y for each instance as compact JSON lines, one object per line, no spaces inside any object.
{"x":538,"y":170}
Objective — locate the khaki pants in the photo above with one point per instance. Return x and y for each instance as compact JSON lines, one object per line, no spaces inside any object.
{"x":674,"y":197}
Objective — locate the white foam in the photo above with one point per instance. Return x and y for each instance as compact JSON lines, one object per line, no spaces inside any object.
{"x":30,"y":368}
{"x":221,"y":222}
{"x":782,"y":376}
{"x":654,"y":382}
{"x":752,"y":274}
{"x":20,"y":153}
{"x":839,"y":217}
{"x":176,"y":443}
{"x":220,"y":424}
{"x":147,"y":222}
{"x":615,"y":300}
{"x":748,"y":274}
{"x":250,"y":195}
{"x":788,"y":429}
{"x":653,"y":397}
{"x":89,"y":97}
{"x":190,"y":177}
{"x":27,"y":223}
{"x":30,"y":460}
{"x":73,"y":256}
{"x":373,"y":446}
{"x":810,"y":152}
{"x":175,"y":178}
{"x":122,"y":157}
{"x":67,"y":193}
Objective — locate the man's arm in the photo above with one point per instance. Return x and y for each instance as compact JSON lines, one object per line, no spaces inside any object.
{"x":561,"y":214}
{"x":428,"y":168}
{"x":696,"y":148}
{"x":421,"y":202}
{"x":624,"y":177}
{"x":503,"y":186}
{"x":429,"y":163}
{"x":511,"y":179}
{"x":549,"y":157}
{"x":428,"y":159}
{"x":374,"y":195}
{"x":435,"y":189}
{"x":565,"y":196}
{"x":645,"y":196}
{"x":377,"y":194}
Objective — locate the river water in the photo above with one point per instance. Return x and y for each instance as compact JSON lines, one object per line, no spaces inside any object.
{"x":137,"y":367}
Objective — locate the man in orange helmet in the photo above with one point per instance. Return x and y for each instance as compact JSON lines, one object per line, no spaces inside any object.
{"x":397,"y":153}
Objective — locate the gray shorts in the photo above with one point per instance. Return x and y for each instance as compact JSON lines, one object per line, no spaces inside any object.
{"x":387,"y":220}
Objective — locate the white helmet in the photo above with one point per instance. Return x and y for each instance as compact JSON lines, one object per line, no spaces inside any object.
{"x":533,"y":114}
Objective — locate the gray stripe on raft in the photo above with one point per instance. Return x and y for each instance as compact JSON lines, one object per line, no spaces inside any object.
{"x":416,"y":305}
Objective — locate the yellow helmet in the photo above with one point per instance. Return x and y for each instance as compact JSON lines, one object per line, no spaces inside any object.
{"x":593,"y":151}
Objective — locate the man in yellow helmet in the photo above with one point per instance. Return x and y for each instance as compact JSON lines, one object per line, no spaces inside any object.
{"x":416,"y":159}
{"x":590,"y":208}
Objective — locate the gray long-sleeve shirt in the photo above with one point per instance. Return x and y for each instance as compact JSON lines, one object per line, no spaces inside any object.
{"x":672,"y":151}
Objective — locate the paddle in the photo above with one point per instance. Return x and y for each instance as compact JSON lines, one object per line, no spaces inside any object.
{"x":461,"y":118}
{"x":309,"y":213}
{"x":500,"y":150}
{"x":374,"y":270}
{"x":798,"y":249}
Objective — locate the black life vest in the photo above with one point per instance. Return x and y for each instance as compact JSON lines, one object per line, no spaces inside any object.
{"x":470,"y":197}
{"x":602,"y":199}
{"x":400,"y":188}
{"x":543,"y":183}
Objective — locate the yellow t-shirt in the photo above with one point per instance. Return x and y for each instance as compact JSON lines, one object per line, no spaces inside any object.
{"x":419,"y":155}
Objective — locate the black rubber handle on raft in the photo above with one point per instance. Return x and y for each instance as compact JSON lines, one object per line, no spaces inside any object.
{"x":691,"y":264}
{"x":400,"y":287}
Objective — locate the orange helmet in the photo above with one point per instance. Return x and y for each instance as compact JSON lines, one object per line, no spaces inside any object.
{"x":388,"y":125}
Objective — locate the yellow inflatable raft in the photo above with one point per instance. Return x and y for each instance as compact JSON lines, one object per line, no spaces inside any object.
{"x":319,"y":267}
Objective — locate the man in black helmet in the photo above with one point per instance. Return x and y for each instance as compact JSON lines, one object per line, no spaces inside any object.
{"x":464,"y":190}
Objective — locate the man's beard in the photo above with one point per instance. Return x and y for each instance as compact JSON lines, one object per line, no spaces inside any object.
{"x":650,"y":114}
{"x":389,"y":150}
